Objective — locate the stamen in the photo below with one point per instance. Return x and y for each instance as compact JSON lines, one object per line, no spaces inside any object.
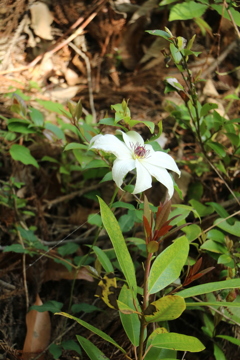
{"x":140,"y":151}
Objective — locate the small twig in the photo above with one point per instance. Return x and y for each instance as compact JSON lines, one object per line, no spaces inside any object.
{"x":7,"y":285}
{"x":60,"y":199}
{"x":61,"y":45}
{"x":232,"y":19}
{"x":220,"y":59}
{"x":5,"y":62}
{"x":221,"y":221}
{"x":59,"y":337}
{"x":24,"y":270}
{"x":89,"y":78}
{"x":217,"y":311}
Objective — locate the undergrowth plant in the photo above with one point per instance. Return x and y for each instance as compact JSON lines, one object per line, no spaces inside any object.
{"x":146,"y":307}
{"x":162,"y":296}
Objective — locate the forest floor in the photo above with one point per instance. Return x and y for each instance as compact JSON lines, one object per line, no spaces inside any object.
{"x":99,"y":53}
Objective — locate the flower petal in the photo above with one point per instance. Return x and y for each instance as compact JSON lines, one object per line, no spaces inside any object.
{"x":110,"y":143}
{"x":121,"y":168}
{"x":131,"y":138}
{"x":161,"y":175}
{"x":144,"y":179}
{"x":159,"y":158}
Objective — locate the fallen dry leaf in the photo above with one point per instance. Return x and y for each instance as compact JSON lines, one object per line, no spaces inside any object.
{"x":57,"y":272}
{"x":41,"y":20}
{"x":38,"y":332}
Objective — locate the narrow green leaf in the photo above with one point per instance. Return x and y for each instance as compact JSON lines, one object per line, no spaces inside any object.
{"x":113,"y":229}
{"x":73,"y":145}
{"x":210,"y":287}
{"x":178,"y":342}
{"x":93,"y":329}
{"x":50,"y":305}
{"x":218,"y":353}
{"x":103,"y":259}
{"x":213,"y":303}
{"x":90,"y":349}
{"x":130,"y":322}
{"x":230,"y":339}
{"x":22,"y":154}
{"x":167,"y":266}
{"x":160,"y":33}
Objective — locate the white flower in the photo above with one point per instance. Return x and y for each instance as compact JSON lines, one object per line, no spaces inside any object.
{"x":133,"y":154}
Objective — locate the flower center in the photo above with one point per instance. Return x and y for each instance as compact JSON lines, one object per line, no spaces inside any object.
{"x":139,"y":151}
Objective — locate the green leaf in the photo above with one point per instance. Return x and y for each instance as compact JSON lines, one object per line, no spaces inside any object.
{"x":121,"y":204}
{"x":149,"y":124}
{"x":177,"y":57}
{"x":51,"y":305}
{"x":20,"y":128}
{"x":231,"y":229}
{"x":230,"y":339}
{"x":213,"y":246}
{"x":36,"y":117}
{"x":157,"y":353}
{"x":187,"y":10}
{"x":218,"y":353}
{"x":160,"y":33}
{"x":95,"y":219}
{"x":55,"y":351}
{"x":74,"y":145}
{"x":55,"y":130}
{"x":95,"y":164}
{"x":177,"y":342}
{"x":218,"y":148}
{"x":234,"y":138}
{"x":52,"y":106}
{"x":17,"y":248}
{"x":90,"y":349}
{"x":126,"y":222}
{"x":68,"y":249}
{"x":192,"y":232}
{"x":200,"y":208}
{"x":27,"y":235}
{"x":50,"y":159}
{"x":113,"y":229}
{"x":223,"y":12}
{"x":71,"y":345}
{"x":103,"y":259}
{"x":86,"y":308}
{"x":169,"y":307}
{"x":93,"y":329}
{"x":216,"y":235}
{"x":206,"y":108}
{"x":22,"y":154}
{"x":107,"y":177}
{"x":130,"y":322}
{"x":167,"y":266}
{"x":210,"y":287}
{"x":227,"y":260}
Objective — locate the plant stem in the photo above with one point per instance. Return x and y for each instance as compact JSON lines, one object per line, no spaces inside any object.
{"x":144,"y":306}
